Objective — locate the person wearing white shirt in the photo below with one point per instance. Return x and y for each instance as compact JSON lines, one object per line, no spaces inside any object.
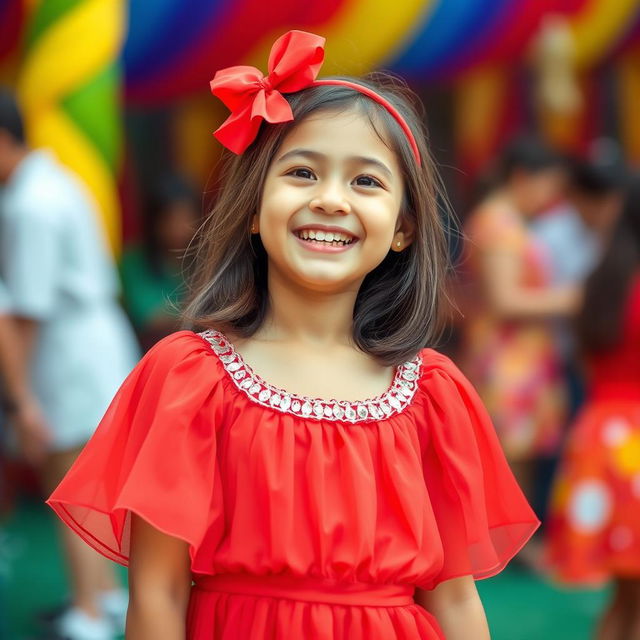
{"x":20,"y":407}
{"x":62,"y":288}
{"x":574,"y":232}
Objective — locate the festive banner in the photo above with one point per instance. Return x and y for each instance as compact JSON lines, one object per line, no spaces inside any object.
{"x":68,"y":87}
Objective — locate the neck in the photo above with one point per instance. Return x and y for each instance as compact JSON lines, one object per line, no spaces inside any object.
{"x":298,"y":314}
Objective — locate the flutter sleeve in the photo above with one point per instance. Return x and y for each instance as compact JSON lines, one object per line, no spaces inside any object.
{"x":482,"y":516}
{"x":153,"y":454}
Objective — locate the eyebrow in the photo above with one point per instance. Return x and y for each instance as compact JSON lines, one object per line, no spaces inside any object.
{"x":315,"y":155}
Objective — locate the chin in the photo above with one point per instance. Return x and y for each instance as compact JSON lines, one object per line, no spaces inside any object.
{"x":327,"y":283}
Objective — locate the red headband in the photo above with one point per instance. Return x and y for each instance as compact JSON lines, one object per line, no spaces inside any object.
{"x":294,"y":63}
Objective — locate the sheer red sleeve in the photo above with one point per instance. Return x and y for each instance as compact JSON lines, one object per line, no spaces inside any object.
{"x":482,"y":516}
{"x":154,"y":453}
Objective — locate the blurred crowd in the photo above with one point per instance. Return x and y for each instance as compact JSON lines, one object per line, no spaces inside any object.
{"x":66,"y":343}
{"x":546,"y":319}
{"x":548,"y":295}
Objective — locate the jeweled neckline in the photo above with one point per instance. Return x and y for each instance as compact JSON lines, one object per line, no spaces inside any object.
{"x":393,"y":401}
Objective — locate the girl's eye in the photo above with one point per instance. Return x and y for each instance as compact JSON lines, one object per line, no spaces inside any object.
{"x":301,"y":172}
{"x":367,"y":181}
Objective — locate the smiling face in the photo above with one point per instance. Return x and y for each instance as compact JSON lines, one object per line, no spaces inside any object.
{"x":330,"y":208}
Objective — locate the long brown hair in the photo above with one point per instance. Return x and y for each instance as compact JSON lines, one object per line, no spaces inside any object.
{"x":398,"y":308}
{"x":600,"y":322}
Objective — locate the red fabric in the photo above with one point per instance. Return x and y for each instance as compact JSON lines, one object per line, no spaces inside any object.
{"x":294,"y":63}
{"x":380,"y":100}
{"x":422,"y":496}
{"x":593,"y":528}
{"x":593,"y":532}
{"x":615,"y":373}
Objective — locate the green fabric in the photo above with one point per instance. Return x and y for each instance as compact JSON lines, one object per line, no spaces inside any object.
{"x":145,"y":294}
{"x":95,"y":109}
{"x":46,"y":14}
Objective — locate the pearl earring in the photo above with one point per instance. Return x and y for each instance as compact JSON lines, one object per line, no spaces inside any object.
{"x":398,"y":244}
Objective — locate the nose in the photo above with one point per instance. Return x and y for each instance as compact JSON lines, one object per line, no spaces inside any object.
{"x":330,"y":199}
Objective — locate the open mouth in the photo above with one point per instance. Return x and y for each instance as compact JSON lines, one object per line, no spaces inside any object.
{"x":326,"y":238}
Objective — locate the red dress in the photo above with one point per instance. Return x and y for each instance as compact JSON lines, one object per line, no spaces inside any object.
{"x":594,"y":524}
{"x":304,"y":518}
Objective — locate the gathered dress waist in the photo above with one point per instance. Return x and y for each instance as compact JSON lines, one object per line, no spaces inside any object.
{"x":319,"y":590}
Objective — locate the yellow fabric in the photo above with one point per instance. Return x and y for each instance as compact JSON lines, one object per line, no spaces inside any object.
{"x":598,"y":28}
{"x":360,"y":36}
{"x":628,"y":71}
{"x":77,"y":47}
{"x":479,"y":99}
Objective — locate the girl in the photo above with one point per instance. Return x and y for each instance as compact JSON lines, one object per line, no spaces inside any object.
{"x":223,"y":461}
{"x":594,"y":528}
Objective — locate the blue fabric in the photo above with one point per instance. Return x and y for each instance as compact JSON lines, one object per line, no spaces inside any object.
{"x":163,"y":31}
{"x":453,"y":27}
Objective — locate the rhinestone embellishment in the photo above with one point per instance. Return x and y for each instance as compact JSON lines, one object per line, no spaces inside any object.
{"x":395,"y":400}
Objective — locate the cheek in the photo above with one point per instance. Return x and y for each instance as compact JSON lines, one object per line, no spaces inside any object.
{"x":381,"y":219}
{"x":277,"y":203}
{"x":274,"y":218}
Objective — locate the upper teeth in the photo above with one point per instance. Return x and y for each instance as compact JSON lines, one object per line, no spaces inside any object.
{"x":327,"y":236}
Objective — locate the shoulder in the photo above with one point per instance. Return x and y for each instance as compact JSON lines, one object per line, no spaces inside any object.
{"x":181,"y":351}
{"x":48,"y":191}
{"x":179,"y":343}
{"x":493,"y":224}
{"x":179,"y":373}
{"x":434,"y":362}
{"x":444,"y":384}
{"x":450,"y":413}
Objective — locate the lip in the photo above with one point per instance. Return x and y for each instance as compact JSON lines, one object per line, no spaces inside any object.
{"x":325,"y":227}
{"x":321,"y":247}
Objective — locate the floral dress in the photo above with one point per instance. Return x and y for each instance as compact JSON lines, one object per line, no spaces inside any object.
{"x":594,"y":524}
{"x":305,"y":518}
{"x":513,"y":364}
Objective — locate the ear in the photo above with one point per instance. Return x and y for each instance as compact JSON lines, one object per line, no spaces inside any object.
{"x":404,"y":234}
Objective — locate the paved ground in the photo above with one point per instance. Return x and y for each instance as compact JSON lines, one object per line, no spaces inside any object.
{"x":519,"y":605}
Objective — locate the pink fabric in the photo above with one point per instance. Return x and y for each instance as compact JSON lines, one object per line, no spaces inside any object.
{"x":410,"y":501}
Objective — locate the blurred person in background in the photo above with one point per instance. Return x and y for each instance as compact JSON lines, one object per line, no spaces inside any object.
{"x":20,"y":407}
{"x":594,"y":525}
{"x":62,"y":289}
{"x":152,"y":272}
{"x":574,"y":233}
{"x":508,"y":298}
{"x":576,"y":230}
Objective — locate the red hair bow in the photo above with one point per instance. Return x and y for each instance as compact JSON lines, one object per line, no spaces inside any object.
{"x":294,"y":63}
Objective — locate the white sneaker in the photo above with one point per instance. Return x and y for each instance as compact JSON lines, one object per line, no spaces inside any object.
{"x":113,"y":604}
{"x":75,"y":624}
